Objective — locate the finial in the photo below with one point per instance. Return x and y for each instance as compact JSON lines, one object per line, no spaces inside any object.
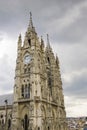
{"x":48,"y":43}
{"x":42,"y":41}
{"x":57,"y":60}
{"x":30,"y":23}
{"x":19,"y":41}
{"x":41,"y":38}
{"x":20,"y":36}
{"x":30,"y":14}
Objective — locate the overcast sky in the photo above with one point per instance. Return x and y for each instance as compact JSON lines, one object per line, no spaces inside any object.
{"x":66,"y":23}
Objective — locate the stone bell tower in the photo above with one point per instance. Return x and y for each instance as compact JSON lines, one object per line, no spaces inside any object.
{"x":38,"y":97}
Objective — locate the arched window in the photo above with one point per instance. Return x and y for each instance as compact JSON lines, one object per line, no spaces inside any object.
{"x":29,"y":70}
{"x":49,"y":81}
{"x":9,"y":123}
{"x":59,"y":127}
{"x":48,"y":60}
{"x":1,"y":116}
{"x":48,"y":128}
{"x":2,"y":121}
{"x":38,"y":128}
{"x":26,"y":122}
{"x":25,"y":70}
{"x":22,"y":91}
{"x":29,"y":41}
{"x":26,"y":91}
{"x":49,"y":78}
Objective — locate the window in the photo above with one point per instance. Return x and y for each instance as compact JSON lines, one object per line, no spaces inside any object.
{"x":25,"y":70}
{"x":25,"y":91}
{"x":49,"y":78}
{"x":22,"y":91}
{"x":29,"y":41}
{"x":1,"y":116}
{"x":2,"y":121}
{"x":28,"y":90}
{"x":9,"y":123}
{"x":38,"y":128}
{"x":49,"y":81}
{"x":28,"y":69}
{"x":26,"y":122}
{"x":48,"y":128}
{"x":48,"y":60}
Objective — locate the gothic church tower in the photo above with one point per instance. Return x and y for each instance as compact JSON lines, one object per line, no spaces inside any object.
{"x":38,"y":96}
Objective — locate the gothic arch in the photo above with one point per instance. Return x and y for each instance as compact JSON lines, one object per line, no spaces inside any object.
{"x":53,"y":114}
{"x":59,"y":127}
{"x":24,"y":110}
{"x":53,"y":120}
{"x":26,"y":52}
{"x":43,"y":109}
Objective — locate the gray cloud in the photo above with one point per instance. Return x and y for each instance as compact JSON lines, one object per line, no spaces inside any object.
{"x":77,"y":87}
{"x":6,"y":72}
{"x":65,"y":21}
{"x":13,"y":15}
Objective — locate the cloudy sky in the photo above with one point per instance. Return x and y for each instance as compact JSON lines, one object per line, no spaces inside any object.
{"x":66,"y":23}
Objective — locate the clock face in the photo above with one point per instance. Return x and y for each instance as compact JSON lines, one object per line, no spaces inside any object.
{"x":27,"y":59}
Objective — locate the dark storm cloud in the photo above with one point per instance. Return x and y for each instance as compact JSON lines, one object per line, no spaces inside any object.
{"x":76,"y":32}
{"x":77,"y":87}
{"x":14,"y":14}
{"x":65,"y":21}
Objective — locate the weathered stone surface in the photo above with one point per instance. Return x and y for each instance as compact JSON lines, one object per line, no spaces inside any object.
{"x":38,"y":97}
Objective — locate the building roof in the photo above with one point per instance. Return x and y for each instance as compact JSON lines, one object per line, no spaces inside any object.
{"x":8,"y":97}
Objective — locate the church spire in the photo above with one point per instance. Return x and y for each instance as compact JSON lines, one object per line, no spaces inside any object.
{"x":42,"y":43}
{"x":19,"y":41}
{"x":30,"y":22}
{"x":30,"y":26}
{"x":48,"y":43}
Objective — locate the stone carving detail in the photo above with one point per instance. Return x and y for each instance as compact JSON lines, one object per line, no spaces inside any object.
{"x":38,"y":101}
{"x":31,"y":110}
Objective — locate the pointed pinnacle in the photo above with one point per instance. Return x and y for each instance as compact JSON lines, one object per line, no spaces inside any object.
{"x":30,"y":22}
{"x":41,"y":38}
{"x":20,"y":36}
{"x":19,"y":41}
{"x":48,"y":43}
{"x":42,"y":41}
{"x":57,"y":60}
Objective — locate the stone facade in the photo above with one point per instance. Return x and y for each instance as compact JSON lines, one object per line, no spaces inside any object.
{"x":38,"y":96}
